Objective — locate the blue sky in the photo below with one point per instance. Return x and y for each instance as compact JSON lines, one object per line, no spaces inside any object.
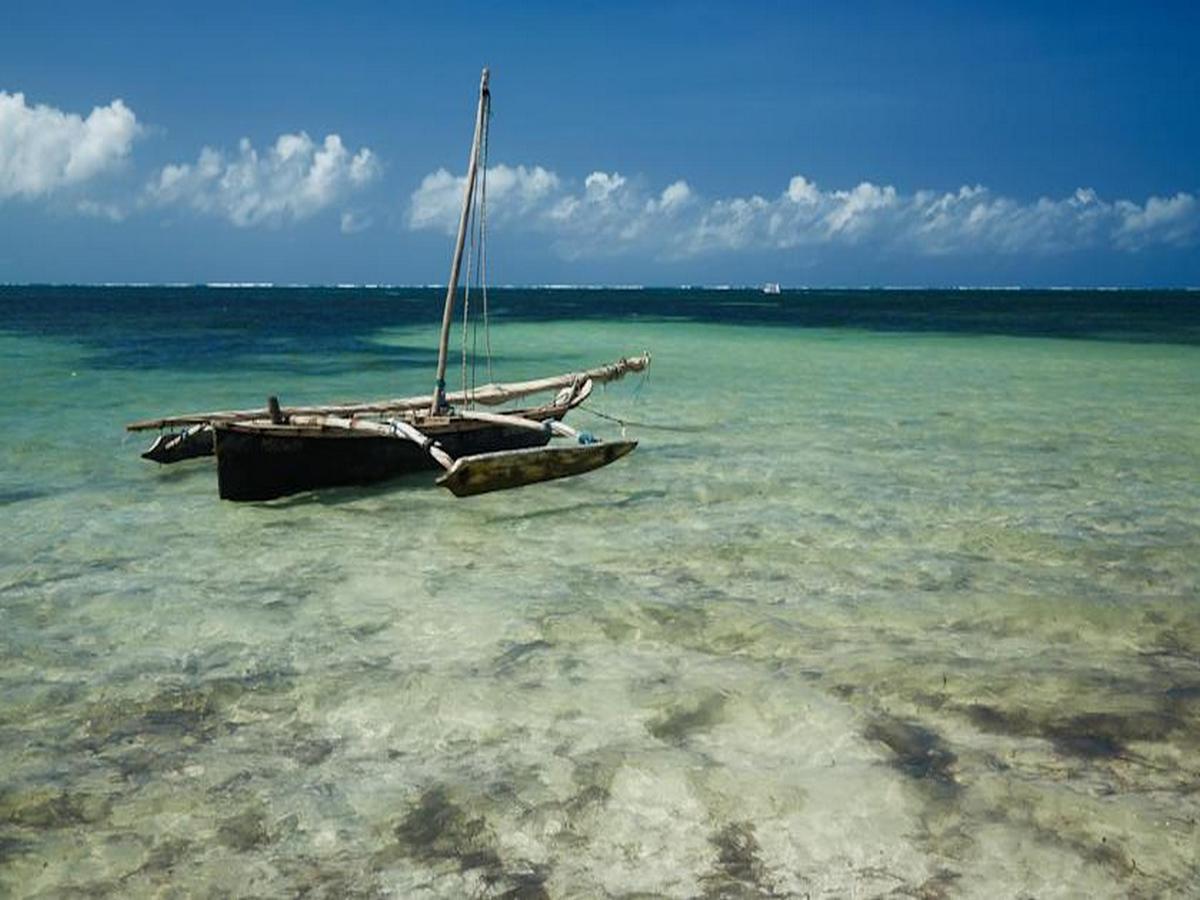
{"x":658,"y":143}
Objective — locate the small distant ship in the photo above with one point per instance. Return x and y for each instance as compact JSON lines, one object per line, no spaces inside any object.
{"x":771,"y":287}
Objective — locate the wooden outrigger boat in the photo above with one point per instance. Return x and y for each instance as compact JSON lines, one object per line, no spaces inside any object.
{"x":276,"y":451}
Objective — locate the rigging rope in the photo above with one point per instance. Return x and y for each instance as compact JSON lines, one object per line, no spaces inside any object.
{"x":477,"y":240}
{"x":648,"y":425}
{"x":623,"y":422}
{"x":487,"y":332}
{"x":467,"y":304}
{"x":477,"y":268}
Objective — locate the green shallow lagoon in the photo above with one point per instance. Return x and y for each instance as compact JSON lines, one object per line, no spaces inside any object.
{"x":892,"y":603}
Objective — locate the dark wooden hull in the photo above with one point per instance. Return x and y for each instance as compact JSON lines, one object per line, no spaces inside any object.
{"x":253,"y":465}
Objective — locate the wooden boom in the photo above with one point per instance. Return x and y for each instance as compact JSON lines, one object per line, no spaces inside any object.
{"x":488,"y":395}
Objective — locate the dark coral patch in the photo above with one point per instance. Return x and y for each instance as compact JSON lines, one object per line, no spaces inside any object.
{"x":677,"y":723}
{"x":439,"y":830}
{"x":49,"y":808}
{"x":738,"y":873}
{"x":245,"y":831}
{"x":1086,"y":735}
{"x":918,"y":752}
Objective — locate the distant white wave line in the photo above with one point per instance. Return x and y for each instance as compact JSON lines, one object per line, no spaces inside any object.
{"x":755,"y":288}
{"x":608,"y":214}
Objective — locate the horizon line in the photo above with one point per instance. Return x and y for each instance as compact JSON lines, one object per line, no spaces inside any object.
{"x":761,"y":288}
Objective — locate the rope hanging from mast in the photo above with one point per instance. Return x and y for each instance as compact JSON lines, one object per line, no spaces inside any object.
{"x":466,"y":317}
{"x":487,"y":332}
{"x":477,"y":267}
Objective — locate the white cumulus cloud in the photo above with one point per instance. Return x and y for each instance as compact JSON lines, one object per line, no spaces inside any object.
{"x":292,"y":180}
{"x":609,"y":214}
{"x":1169,"y":219}
{"x":512,"y":193}
{"x":43,"y":149}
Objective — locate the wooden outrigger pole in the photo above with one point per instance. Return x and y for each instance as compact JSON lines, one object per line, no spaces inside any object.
{"x":487,"y":395}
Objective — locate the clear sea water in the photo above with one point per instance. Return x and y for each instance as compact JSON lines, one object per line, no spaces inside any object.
{"x":899,"y":596}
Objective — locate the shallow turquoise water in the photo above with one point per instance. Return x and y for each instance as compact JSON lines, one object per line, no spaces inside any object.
{"x":871,"y":610}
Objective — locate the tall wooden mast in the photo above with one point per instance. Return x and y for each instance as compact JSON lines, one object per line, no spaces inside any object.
{"x":439,"y":389}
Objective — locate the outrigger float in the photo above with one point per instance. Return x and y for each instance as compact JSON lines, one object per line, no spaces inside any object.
{"x":276,"y":451}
